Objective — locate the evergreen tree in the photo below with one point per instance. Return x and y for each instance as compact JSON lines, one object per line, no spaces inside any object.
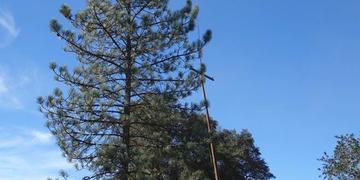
{"x":237,"y":156}
{"x":344,"y":164}
{"x":123,"y":115}
{"x":128,"y":52}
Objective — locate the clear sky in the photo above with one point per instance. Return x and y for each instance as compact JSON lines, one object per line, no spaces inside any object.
{"x":286,"y":70}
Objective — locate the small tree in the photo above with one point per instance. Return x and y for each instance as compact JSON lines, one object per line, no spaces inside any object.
{"x":344,"y":164}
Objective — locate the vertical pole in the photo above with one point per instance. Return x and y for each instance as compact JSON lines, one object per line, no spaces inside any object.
{"x":208,"y":123}
{"x":207,"y":116}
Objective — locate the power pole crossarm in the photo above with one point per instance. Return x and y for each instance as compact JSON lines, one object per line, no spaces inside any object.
{"x":208,"y":77}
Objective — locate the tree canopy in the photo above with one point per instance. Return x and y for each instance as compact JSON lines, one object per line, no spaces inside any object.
{"x":344,"y":164}
{"x":125,"y":113}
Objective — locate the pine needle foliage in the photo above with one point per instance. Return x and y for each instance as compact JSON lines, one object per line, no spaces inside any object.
{"x":132,"y":55}
{"x":123,"y":114}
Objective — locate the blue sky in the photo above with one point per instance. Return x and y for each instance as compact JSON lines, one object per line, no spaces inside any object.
{"x":286,"y":70}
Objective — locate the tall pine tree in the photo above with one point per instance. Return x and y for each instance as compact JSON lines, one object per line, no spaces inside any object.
{"x":129,"y":51}
{"x":123,"y":115}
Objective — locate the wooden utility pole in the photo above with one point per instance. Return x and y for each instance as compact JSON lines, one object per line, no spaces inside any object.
{"x":207,"y":119}
{"x":207,"y":116}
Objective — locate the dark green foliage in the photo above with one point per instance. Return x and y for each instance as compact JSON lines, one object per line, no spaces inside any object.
{"x":123,"y":115}
{"x":344,"y":164}
{"x":239,"y":158}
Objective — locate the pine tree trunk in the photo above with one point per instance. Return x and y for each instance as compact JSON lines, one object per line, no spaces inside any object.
{"x":127,"y":102}
{"x":127,"y":106}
